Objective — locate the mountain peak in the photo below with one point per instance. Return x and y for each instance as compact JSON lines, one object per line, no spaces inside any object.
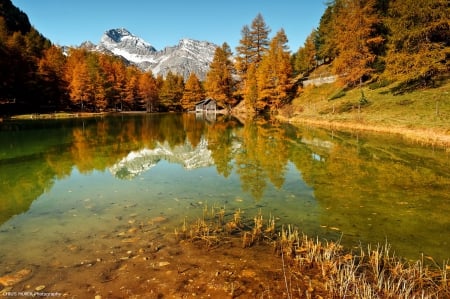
{"x":117,"y":34}
{"x":188,"y":56}
{"x":121,"y":38}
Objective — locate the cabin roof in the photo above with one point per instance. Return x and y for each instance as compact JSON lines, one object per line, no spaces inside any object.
{"x":205,"y":101}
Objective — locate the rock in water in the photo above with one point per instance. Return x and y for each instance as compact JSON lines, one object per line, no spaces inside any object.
{"x":158,"y":219}
{"x":14,"y":278}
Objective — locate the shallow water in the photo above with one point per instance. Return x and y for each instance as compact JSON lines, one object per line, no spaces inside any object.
{"x":71,"y":189}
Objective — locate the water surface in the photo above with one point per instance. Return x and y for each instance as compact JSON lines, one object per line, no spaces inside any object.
{"x":68,"y":187}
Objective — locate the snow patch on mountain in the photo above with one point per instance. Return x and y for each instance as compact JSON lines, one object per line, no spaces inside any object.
{"x":189,"y":56}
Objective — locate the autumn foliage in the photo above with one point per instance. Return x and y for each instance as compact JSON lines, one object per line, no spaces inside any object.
{"x":404,"y":41}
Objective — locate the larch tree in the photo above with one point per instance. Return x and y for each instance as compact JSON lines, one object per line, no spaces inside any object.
{"x":259,"y":37}
{"x":131,"y":87}
{"x":252,"y":46}
{"x":305,"y":58}
{"x":51,"y":70}
{"x":171,"y":91}
{"x":354,"y":30}
{"x":251,"y":89}
{"x":219,"y":83}
{"x":324,"y":40}
{"x":243,"y":60}
{"x":148,"y":91}
{"x":244,"y":52}
{"x":274,"y":73}
{"x":78,"y":84}
{"x":193,"y":92}
{"x":419,"y":40}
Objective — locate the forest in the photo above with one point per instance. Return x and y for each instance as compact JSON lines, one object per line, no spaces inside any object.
{"x":365,"y":41}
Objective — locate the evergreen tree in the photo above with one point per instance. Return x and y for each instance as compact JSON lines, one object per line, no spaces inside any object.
{"x":193,"y":92}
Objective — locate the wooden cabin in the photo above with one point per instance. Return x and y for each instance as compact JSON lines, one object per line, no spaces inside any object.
{"x":207,"y":105}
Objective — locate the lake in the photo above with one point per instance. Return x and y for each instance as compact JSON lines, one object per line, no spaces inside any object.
{"x":66,"y":185}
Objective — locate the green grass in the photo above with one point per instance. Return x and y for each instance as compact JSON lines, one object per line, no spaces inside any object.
{"x":425,"y":110}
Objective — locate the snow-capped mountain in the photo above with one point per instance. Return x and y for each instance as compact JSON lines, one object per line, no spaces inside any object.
{"x":186,"y":57}
{"x":121,"y":42}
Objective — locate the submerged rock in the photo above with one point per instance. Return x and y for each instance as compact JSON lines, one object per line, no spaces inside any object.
{"x":158,"y":219}
{"x":14,"y":278}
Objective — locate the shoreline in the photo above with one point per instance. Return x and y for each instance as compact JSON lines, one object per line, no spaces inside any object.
{"x":57,"y":115}
{"x":430,"y":136}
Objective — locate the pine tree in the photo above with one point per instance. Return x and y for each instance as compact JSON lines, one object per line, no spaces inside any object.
{"x":193,"y":92}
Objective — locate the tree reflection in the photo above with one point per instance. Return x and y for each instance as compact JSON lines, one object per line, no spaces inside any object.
{"x":262,"y":156}
{"x":355,"y":178}
{"x":220,"y":138}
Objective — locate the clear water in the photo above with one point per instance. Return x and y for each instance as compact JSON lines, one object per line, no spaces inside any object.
{"x":67,"y":186}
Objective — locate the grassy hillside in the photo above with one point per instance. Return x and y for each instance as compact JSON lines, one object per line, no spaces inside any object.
{"x":423,"y":115}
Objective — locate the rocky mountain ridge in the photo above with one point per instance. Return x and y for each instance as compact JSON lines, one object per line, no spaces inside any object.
{"x":183,"y":59}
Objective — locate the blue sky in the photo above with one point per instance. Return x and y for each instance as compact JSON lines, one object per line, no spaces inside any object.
{"x":164,"y":22}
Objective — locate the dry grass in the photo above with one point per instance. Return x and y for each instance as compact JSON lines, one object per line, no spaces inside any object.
{"x":322,"y":269}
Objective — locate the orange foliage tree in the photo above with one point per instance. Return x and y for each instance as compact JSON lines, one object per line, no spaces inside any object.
{"x":274,"y":73}
{"x":419,"y":41}
{"x":193,"y":92}
{"x":219,"y":83}
{"x":354,"y":30}
{"x":148,"y":91}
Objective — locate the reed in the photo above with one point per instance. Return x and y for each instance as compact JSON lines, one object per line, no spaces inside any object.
{"x":367,"y":272}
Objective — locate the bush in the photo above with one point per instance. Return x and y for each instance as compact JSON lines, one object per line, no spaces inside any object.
{"x":337,"y":95}
{"x":379,"y":84}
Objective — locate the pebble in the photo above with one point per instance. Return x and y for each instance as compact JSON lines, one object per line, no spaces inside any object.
{"x":248,"y":273}
{"x":162,"y":264}
{"x":39,"y":288}
{"x":157,"y":219}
